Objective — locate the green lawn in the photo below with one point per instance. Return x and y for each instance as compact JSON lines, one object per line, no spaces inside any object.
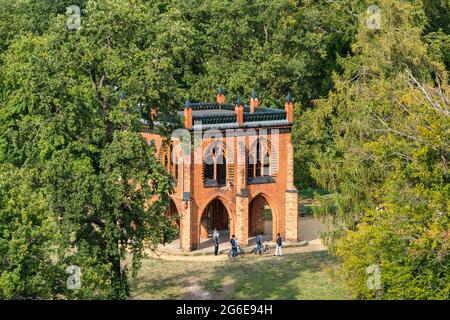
{"x":294,"y":276}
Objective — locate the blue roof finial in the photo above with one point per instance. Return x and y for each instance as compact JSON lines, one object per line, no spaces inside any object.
{"x":238,"y":101}
{"x":254,"y":96}
{"x":289,"y":97}
{"x":220,"y":90}
{"x":187,"y":103}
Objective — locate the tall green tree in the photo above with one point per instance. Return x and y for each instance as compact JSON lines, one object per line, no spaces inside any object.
{"x":271,"y":46}
{"x":73,"y":101}
{"x":381,"y":146}
{"x":274,"y":47}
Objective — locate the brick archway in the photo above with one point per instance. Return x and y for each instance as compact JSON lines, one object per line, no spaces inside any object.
{"x":214,"y":204}
{"x":256,"y":220}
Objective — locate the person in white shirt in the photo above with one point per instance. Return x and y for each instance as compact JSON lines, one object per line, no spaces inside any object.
{"x":278,"y":246}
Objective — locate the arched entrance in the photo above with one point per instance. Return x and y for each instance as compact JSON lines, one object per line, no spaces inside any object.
{"x":215,"y":216}
{"x":262,"y":218}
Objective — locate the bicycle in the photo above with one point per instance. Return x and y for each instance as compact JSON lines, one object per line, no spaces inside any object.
{"x":265,"y":249}
{"x":240,"y":253}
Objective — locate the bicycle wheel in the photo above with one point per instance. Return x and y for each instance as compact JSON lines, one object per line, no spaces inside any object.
{"x":267,"y":249}
{"x":230,"y":255}
{"x":242,"y":254}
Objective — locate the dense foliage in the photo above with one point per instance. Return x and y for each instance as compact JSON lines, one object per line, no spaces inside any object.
{"x":69,"y":121}
{"x":372,"y":127}
{"x":382,"y":147}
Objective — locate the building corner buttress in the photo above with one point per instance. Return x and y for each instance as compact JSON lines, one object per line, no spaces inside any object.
{"x":291,"y":197}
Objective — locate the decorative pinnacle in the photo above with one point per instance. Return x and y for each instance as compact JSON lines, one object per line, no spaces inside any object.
{"x":289,"y":97}
{"x":187,"y":103}
{"x":239,"y":101}
{"x":254,"y":96}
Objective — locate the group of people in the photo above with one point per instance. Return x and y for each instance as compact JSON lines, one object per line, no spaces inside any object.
{"x":259,"y":243}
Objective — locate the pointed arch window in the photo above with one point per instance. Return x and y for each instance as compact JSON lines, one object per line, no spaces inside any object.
{"x":258,"y":162}
{"x":215,"y":165}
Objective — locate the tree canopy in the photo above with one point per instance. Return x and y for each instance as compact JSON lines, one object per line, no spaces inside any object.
{"x":372,"y":127}
{"x":382,"y":146}
{"x":69,"y":100}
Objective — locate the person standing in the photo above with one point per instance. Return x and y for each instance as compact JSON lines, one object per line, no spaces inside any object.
{"x":216,"y":242}
{"x":259,"y":242}
{"x":278,"y":246}
{"x":233,"y":243}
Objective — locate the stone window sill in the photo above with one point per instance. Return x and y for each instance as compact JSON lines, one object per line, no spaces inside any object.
{"x":210,"y":183}
{"x":261,"y":180}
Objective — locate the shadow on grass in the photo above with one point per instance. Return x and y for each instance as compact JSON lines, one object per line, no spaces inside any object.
{"x":154,"y":283}
{"x":292,"y":276}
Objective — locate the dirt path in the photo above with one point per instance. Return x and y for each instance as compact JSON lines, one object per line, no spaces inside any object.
{"x":194,"y":291}
{"x":314,"y":245}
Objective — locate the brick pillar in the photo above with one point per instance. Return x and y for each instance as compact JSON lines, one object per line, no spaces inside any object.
{"x":186,"y":216}
{"x":289,"y":108}
{"x":188,"y":119}
{"x":291,"y":197}
{"x":241,"y":229}
{"x":254,"y":102}
{"x":239,"y":109}
{"x":220,"y":98}
{"x":242,"y":201}
{"x":185,"y":227}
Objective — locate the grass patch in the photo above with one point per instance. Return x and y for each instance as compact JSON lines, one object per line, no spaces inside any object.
{"x":212,"y":285}
{"x":293,"y":276}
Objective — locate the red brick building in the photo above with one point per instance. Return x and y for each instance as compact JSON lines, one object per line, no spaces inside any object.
{"x":240,"y":163}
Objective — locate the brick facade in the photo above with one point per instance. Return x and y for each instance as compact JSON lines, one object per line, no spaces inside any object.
{"x":240,"y":200}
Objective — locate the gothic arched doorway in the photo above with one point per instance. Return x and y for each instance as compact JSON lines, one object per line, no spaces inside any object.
{"x":215,"y":216}
{"x":262,"y":218}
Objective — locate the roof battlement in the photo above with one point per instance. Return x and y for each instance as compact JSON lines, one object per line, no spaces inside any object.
{"x":221,"y":115}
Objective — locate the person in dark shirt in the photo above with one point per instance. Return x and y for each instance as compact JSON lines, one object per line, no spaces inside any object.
{"x":233,"y":245}
{"x":259,"y":242}
{"x":278,"y":246}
